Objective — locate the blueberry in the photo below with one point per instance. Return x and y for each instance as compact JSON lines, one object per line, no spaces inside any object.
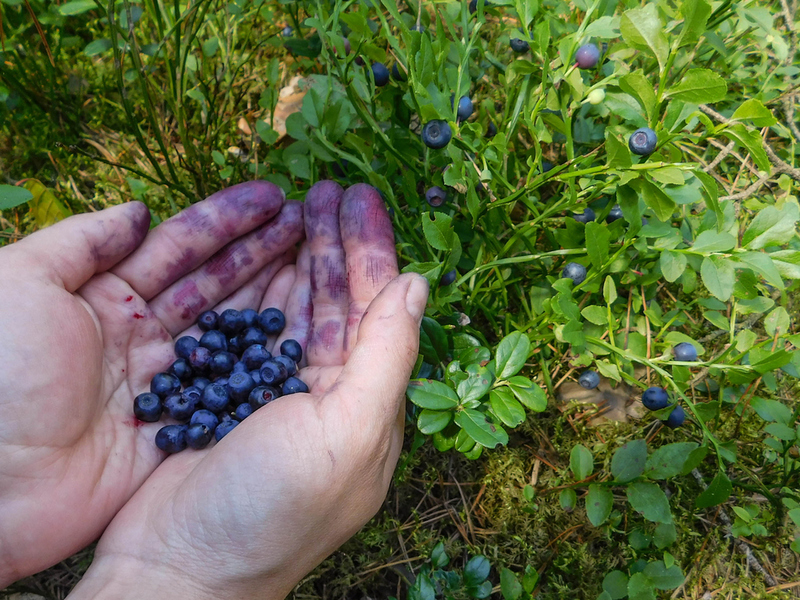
{"x":292,"y":349}
{"x":294,"y":386}
{"x":207,"y":320}
{"x":418,"y":28}
{"x":252,"y":335}
{"x":239,"y":367}
{"x":519,"y":46}
{"x":171,"y":438}
{"x":436,"y":134}
{"x":465,"y":108}
{"x":215,"y":397}
{"x":643,"y":141}
{"x":255,"y":356}
{"x":676,"y":417}
{"x":347,"y":46}
{"x":263,"y":395}
{"x":184,"y":346}
{"x":291,"y":366}
{"x":589,"y":380}
{"x":587,"y":56}
{"x":243,"y":411}
{"x":491,"y":130}
{"x":147,"y":407}
{"x":586,"y":216}
{"x":198,"y":436}
{"x":231,"y":322}
{"x":224,"y":428}
{"x":448,"y":278}
{"x":287,"y":31}
{"x":358,"y":59}
{"x":200,"y":358}
{"x":273,"y":372}
{"x":180,"y":406}
{"x":655,"y":398}
{"x":380,"y":73}
{"x":240,"y":385}
{"x":685,"y":352}
{"x":271,"y":321}
{"x":201,"y":383}
{"x":193,"y":392}
{"x":435,"y":196}
{"x":574,"y":271}
{"x":256,"y":375}
{"x":214,"y":340}
{"x":473,"y":6}
{"x":222,"y":362}
{"x":615,"y":214}
{"x":181,"y":369}
{"x":547,"y":166}
{"x":221,"y":380}
{"x":205,"y":417}
{"x":235,"y":344}
{"x":250,"y":317}
{"x":398,"y":73}
{"x":164,"y":384}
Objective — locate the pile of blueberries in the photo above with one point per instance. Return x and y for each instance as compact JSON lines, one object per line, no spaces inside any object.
{"x":226,"y":375}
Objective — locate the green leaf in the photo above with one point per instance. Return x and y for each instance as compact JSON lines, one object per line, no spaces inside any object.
{"x":96,"y":47}
{"x":718,"y":276}
{"x":642,"y":28}
{"x":616,"y":585}
{"x":530,"y":579}
{"x":629,"y":460}
{"x":711,"y":193}
{"x":752,"y":141}
{"x":609,"y":290}
{"x":512,"y":352}
{"x":664,"y":578}
{"x":581,"y":462}
{"x":439,"y":231}
{"x":714,"y":241}
{"x":506,"y":407}
{"x":762,"y":264}
{"x":664,"y":535}
{"x":480,"y":429}
{"x":567,"y":498}
{"x":77,"y":7}
{"x":771,"y":410}
{"x":474,"y":387}
{"x":699,"y":86}
{"x":649,"y":500}
{"x":12,"y":195}
{"x":777,"y":322}
{"x":476,"y":570}
{"x":716,"y":493}
{"x":640,"y":587}
{"x":661,"y":204}
{"x":510,"y":587}
{"x":695,"y":14}
{"x":771,"y":227}
{"x":597,"y":239}
{"x":427,"y":393}
{"x":673,"y":264}
{"x":432,"y":341}
{"x":599,"y":502}
{"x":637,"y":85}
{"x":781,"y":431}
{"x":439,"y":558}
{"x":667,"y":461}
{"x":431,"y":421}
{"x":618,"y":156}
{"x":595,"y":314}
{"x":529,"y":393}
{"x":755,"y":113}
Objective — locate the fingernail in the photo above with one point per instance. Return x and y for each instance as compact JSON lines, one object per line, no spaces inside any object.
{"x":417,"y":297}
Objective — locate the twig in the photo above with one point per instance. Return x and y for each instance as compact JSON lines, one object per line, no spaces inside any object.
{"x":750,"y":190}
{"x":720,"y":157}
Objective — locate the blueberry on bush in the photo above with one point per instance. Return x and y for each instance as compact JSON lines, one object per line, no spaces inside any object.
{"x":643,"y":141}
{"x":574,"y":271}
{"x":435,"y":196}
{"x":436,"y":134}
{"x":287,"y":32}
{"x":589,"y":380}
{"x":164,"y":384}
{"x":491,"y":130}
{"x":184,"y":346}
{"x":587,"y":56}
{"x":398,"y":73}
{"x":147,"y":407}
{"x":676,"y":417}
{"x":519,"y":46}
{"x":586,"y":216}
{"x":465,"y":108}
{"x":292,"y":349}
{"x":685,"y":352}
{"x":198,"y":436}
{"x":418,"y":28}
{"x":615,"y":214}
{"x":207,"y":320}
{"x":272,"y":321}
{"x":380,"y":73}
{"x":448,"y":278}
{"x":171,"y":438}
{"x":655,"y":398}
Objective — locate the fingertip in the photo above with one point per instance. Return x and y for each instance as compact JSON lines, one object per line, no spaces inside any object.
{"x":416,"y":295}
{"x":363,"y":216}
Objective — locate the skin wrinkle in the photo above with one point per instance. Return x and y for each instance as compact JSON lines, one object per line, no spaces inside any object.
{"x":190,"y":298}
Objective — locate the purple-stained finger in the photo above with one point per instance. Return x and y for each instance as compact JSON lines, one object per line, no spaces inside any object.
{"x":368,"y":241}
{"x":299,"y":309}
{"x":327,"y":274}
{"x":230,"y":268}
{"x":184,"y":242}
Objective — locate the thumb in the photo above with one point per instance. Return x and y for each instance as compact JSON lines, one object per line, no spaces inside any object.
{"x":73,"y":250}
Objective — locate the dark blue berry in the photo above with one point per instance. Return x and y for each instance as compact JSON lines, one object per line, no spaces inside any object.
{"x":287,"y":31}
{"x":221,"y":380}
{"x":256,"y":375}
{"x":198,"y":436}
{"x":448,"y":278}
{"x":215,"y":397}
{"x":222,"y":362}
{"x":255,"y":356}
{"x":547,"y":166}
{"x":250,"y":317}
{"x":271,"y":321}
{"x":685,"y":352}
{"x":586,"y":216}
{"x":230,"y":322}
{"x":655,"y":398}
{"x":615,"y":214}
{"x":491,"y":130}
{"x":239,"y":367}
{"x":235,"y":345}
{"x":171,"y":438}
{"x":239,"y":386}
{"x":294,"y":386}
{"x":214,"y":340}
{"x":207,"y":320}
{"x":224,"y":428}
{"x":201,"y":382}
{"x":589,"y":380}
{"x":418,"y":28}
{"x":574,"y":271}
{"x":184,"y":346}
{"x":643,"y":141}
{"x":181,"y":369}
{"x":380,"y":73}
{"x":193,"y":392}
{"x":180,"y":406}
{"x":243,"y":411}
{"x":200,"y":358}
{"x":676,"y":417}
{"x":147,"y":407}
{"x":465,"y":108}
{"x":164,"y":384}
{"x":398,"y":73}
{"x":519,"y":46}
{"x":263,"y":395}
{"x":205,"y":417}
{"x":435,"y":196}
{"x":587,"y":56}
{"x":292,"y":349}
{"x":291,"y":366}
{"x":273,"y":372}
{"x":436,"y":134}
{"x":252,"y":335}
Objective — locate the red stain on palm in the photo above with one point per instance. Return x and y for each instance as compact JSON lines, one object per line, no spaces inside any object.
{"x":133,"y":422}
{"x":129,"y":298}
{"x":138,"y":316}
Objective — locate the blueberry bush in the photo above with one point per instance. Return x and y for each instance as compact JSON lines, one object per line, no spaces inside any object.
{"x":620,"y":199}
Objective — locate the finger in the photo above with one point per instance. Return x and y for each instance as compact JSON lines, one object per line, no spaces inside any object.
{"x":277,"y":293}
{"x":327,"y":274}
{"x":368,"y":241}
{"x":187,"y":240}
{"x":180,"y":304}
{"x":299,"y":309}
{"x":71,"y":251}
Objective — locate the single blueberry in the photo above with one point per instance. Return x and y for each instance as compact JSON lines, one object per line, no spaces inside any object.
{"x":685,"y":352}
{"x":676,"y":417}
{"x":655,"y":398}
{"x":205,"y":417}
{"x":250,"y":317}
{"x":589,"y":380}
{"x":207,"y":320}
{"x":235,"y":345}
{"x":180,"y":406}
{"x":272,"y":321}
{"x":147,"y":407}
{"x":224,"y":428}
{"x":181,"y":369}
{"x":221,"y":380}
{"x":586,"y":216}
{"x":263,"y":395}
{"x":239,"y":367}
{"x":574,"y":271}
{"x":215,"y":397}
{"x":231,"y":322}
{"x":164,"y":384}
{"x":294,"y":386}
{"x":491,"y":130}
{"x":397,"y":73}
{"x":184,"y":346}
{"x":243,"y":411}
{"x":252,"y":335}
{"x":547,"y":166}
{"x":419,"y":28}
{"x":171,"y":438}
{"x":255,"y":356}
{"x":436,"y":134}
{"x":256,"y":375}
{"x":587,"y":56}
{"x":380,"y":73}
{"x":643,"y":141}
{"x":465,"y":108}
{"x":200,"y":358}
{"x":291,"y":366}
{"x":435,"y":196}
{"x":214,"y":340}
{"x":473,"y":6}
{"x":615,"y":214}
{"x":198,"y":436}
{"x":201,"y":382}
{"x":519,"y":46}
{"x":287,"y":31}
{"x":222,"y":362}
{"x":292,"y":349}
{"x":193,"y":392}
{"x":273,"y":372}
{"x":448,"y":278}
{"x":240,"y":385}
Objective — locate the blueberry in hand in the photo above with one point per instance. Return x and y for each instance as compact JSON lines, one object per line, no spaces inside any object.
{"x":243,"y":411}
{"x":221,"y":380}
{"x":224,"y":428}
{"x":589,"y":380}
{"x":272,"y":321}
{"x":256,"y":375}
{"x":574,"y":271}
{"x":519,"y":46}
{"x":180,"y":406}
{"x":214,"y":340}
{"x":587,"y":56}
{"x":676,"y":417}
{"x":222,"y":362}
{"x":586,"y":216}
{"x":435,"y":196}
{"x":255,"y":356}
{"x":239,"y":367}
{"x":164,"y":384}
{"x":655,"y":398}
{"x":193,"y":392}
{"x":491,"y":130}
{"x":643,"y":141}
{"x":184,"y":346}
{"x":292,"y":349}
{"x":263,"y":395}
{"x":199,"y":359}
{"x":215,"y":397}
{"x":436,"y":134}
{"x":205,"y":417}
{"x":273,"y":372}
{"x":380,"y":73}
{"x":230,"y":322}
{"x":147,"y":407}
{"x":250,"y":336}
{"x":201,"y":383}
{"x":207,"y":320}
{"x":685,"y":352}
{"x":448,"y":278}
{"x":198,"y":436}
{"x":235,"y":345}
{"x":239,"y":386}
{"x":171,"y":438}
{"x":181,"y":369}
{"x":291,"y":366}
{"x":615,"y":214}
{"x":465,"y":108}
{"x":294,"y":386}
{"x":250,"y":317}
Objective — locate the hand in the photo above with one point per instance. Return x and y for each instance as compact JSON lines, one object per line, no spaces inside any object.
{"x":252,"y":515}
{"x":88,"y":310}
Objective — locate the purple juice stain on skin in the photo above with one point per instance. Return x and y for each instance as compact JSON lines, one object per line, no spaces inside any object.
{"x":226,"y":263}
{"x":363,"y":215}
{"x":326,"y":335}
{"x":322,"y":210}
{"x":178,"y":268}
{"x":188,"y":297}
{"x":251,"y":201}
{"x":377,"y":270}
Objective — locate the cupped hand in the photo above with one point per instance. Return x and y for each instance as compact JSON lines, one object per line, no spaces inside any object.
{"x":249,"y":517}
{"x":88,"y":311}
